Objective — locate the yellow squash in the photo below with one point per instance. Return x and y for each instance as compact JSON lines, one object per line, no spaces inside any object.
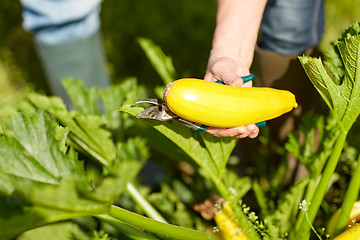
{"x":352,"y":233}
{"x":352,"y":230}
{"x":218,"y":105}
{"x":225,"y":220}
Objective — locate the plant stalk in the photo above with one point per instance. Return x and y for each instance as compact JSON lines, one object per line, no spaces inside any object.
{"x":128,"y":230}
{"x":304,"y":231}
{"x":350,"y":197}
{"x":310,"y":191}
{"x":160,"y":228}
{"x":145,"y":205}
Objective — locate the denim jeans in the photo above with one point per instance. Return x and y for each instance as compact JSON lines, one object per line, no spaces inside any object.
{"x":291,"y":26}
{"x":59,"y":21}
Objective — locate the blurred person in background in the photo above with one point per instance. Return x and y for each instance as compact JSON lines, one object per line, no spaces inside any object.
{"x":68,"y":40}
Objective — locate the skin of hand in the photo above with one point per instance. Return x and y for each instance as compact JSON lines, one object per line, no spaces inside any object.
{"x":235,"y":36}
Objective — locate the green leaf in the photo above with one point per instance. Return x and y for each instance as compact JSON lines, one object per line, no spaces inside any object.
{"x":37,"y":179}
{"x":85,"y":100}
{"x":187,"y":139}
{"x":39,"y":184}
{"x":61,"y":134}
{"x":36,"y":155}
{"x":162,"y":63}
{"x":62,"y":231}
{"x":341,"y":95}
{"x":130,"y":159}
{"x":237,"y":186}
{"x":305,"y":143}
{"x":285,"y":215}
{"x":16,"y":218}
{"x":220,"y":149}
{"x":170,"y":204}
{"x":114,"y":97}
{"x":84,"y":128}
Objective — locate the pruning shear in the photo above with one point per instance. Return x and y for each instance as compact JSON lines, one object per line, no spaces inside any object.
{"x":161,"y":112}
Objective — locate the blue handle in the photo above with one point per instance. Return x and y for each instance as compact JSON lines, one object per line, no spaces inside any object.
{"x":261,"y":124}
{"x":244,"y":78}
{"x":247,"y":79}
{"x":201,"y":129}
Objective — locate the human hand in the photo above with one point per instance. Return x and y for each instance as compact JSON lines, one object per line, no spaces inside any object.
{"x":229,"y":72}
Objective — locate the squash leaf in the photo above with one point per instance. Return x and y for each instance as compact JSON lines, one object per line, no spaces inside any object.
{"x":287,"y":209}
{"x":85,"y":100}
{"x":40,"y":184}
{"x":341,"y":94}
{"x":86,"y":128}
{"x":161,"y":63}
{"x":210,"y":153}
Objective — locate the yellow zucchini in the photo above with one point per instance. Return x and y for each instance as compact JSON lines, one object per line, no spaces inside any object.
{"x":352,"y":230}
{"x":218,"y":105}
{"x":225,"y":220}
{"x":350,"y":233}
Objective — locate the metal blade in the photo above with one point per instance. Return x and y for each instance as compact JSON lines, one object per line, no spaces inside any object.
{"x":150,"y":113}
{"x":155,"y":101}
{"x":154,"y":113}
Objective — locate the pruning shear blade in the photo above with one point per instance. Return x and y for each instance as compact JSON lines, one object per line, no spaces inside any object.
{"x":161,"y":112}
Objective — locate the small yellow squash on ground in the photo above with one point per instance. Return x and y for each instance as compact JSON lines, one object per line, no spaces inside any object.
{"x":225,"y":220}
{"x":218,"y":105}
{"x":352,"y":233}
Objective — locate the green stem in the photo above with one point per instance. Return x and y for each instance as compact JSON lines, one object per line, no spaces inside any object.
{"x":160,"y":228}
{"x":349,"y":199}
{"x":145,"y":205}
{"x":310,"y":191}
{"x":241,"y":217}
{"x":304,"y":230}
{"x":126,"y":229}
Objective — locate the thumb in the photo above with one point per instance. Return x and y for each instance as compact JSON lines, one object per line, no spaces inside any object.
{"x":225,"y":71}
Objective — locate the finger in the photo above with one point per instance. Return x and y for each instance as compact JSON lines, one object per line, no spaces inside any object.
{"x":250,"y":131}
{"x":245,"y":131}
{"x":254,"y":134}
{"x":228,"y":132}
{"x":209,"y":77}
{"x":253,"y":131}
{"x":222,"y":132}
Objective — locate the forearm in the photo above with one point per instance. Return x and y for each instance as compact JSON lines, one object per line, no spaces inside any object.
{"x":237,"y":27}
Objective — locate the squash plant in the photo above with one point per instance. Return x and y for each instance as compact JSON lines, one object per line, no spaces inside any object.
{"x":340,"y":92}
{"x":57,"y":165}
